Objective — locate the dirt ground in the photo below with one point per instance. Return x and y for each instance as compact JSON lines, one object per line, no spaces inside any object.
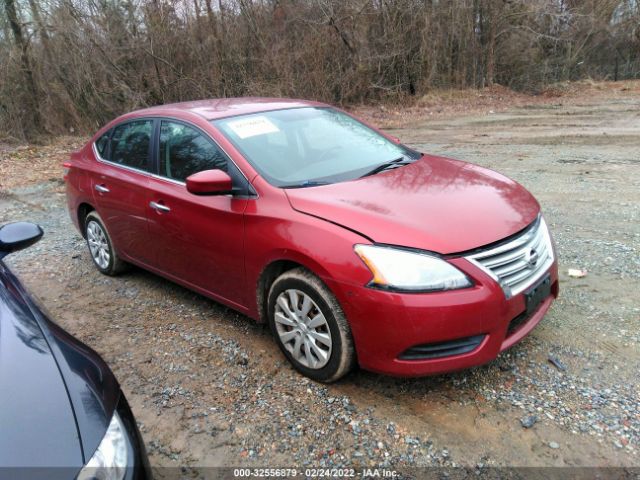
{"x":209,"y":386}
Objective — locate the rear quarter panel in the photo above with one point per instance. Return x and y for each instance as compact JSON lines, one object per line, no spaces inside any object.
{"x":78,"y":183}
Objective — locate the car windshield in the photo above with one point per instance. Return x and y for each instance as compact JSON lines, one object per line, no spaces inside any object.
{"x":309,"y":146}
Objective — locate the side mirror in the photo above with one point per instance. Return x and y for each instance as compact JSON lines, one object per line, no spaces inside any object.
{"x":209,"y":182}
{"x":18,"y":235}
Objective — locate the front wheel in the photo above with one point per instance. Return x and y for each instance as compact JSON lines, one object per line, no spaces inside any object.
{"x":310,"y":327}
{"x":100,"y":246}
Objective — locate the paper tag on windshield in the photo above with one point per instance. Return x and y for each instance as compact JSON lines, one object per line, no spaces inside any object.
{"x":250,"y":127}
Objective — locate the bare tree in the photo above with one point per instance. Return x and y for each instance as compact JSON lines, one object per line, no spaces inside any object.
{"x":31,"y":104}
{"x":78,"y":63}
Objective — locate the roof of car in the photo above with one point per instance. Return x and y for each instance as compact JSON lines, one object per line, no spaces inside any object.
{"x":227,"y":107}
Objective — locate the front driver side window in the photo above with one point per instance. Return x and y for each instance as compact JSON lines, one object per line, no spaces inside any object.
{"x":185,"y":151}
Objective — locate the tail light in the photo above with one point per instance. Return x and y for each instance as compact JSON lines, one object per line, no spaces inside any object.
{"x":66,"y":166}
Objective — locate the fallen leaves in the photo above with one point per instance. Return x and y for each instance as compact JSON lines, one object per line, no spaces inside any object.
{"x":22,"y":165}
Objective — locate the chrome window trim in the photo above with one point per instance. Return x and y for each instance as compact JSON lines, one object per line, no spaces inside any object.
{"x":132,"y":169}
{"x":539,"y":227}
{"x":160,"y":177}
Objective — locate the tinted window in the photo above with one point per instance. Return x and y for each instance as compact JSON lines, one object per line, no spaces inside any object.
{"x":185,"y":151}
{"x":101,"y":144}
{"x":130,"y":144}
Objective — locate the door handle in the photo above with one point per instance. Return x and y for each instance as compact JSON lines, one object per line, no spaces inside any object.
{"x":102,"y":189}
{"x":159,"y":207}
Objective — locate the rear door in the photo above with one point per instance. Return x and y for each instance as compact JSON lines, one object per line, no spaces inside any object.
{"x":199,"y":240}
{"x":120,"y":188}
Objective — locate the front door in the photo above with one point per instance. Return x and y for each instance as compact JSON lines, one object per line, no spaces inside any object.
{"x":198,"y":240}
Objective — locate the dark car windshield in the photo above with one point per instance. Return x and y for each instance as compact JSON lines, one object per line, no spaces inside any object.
{"x":309,"y":146}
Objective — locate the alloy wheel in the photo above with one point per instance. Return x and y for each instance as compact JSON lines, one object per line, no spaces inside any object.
{"x":98,"y":244}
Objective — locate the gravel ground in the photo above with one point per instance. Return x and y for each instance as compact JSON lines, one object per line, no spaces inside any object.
{"x":210,"y":388}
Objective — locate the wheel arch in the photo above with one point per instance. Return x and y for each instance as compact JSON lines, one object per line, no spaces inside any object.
{"x":276,"y":266}
{"x":83,"y":210}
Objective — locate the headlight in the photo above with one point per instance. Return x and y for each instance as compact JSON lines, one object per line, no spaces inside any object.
{"x":399,"y":269}
{"x":109,"y":462}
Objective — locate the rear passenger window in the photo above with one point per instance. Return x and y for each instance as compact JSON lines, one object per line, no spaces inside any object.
{"x":185,"y":151}
{"x":130,"y":144}
{"x":102,"y":143}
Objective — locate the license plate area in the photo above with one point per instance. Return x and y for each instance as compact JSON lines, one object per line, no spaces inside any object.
{"x":536,"y":294}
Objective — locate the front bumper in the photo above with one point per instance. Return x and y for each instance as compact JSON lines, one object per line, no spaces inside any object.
{"x":385,"y":325}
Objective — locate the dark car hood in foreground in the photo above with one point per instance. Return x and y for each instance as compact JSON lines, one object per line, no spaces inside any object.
{"x":57,"y":396}
{"x":37,"y":422}
{"x":436,"y":204}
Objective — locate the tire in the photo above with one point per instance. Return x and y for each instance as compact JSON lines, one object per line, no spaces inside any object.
{"x":100,"y":246}
{"x":315,"y":357}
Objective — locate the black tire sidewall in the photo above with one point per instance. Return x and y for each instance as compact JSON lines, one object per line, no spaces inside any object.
{"x":327,"y":372}
{"x":92,"y":217}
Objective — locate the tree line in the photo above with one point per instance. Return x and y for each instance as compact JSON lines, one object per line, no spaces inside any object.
{"x":71,"y":65}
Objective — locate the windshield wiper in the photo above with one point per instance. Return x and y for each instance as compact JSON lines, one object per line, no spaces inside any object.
{"x":306,"y":183}
{"x":393,"y":163}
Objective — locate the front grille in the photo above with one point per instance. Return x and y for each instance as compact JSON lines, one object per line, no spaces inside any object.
{"x":519,"y":262}
{"x":442,"y":349}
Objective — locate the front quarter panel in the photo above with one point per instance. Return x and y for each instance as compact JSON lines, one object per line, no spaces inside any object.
{"x":274,"y":231}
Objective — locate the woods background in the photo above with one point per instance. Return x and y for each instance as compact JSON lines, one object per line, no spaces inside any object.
{"x":72,"y":65}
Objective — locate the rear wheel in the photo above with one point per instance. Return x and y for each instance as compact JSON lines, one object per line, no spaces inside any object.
{"x":100,"y":246}
{"x":310,"y":327}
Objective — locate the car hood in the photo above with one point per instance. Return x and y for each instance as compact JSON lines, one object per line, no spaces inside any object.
{"x":38,"y":424}
{"x":437,"y":204}
{"x":58,"y":395}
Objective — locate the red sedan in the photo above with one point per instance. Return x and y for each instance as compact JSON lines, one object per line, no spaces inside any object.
{"x":355,"y":248}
